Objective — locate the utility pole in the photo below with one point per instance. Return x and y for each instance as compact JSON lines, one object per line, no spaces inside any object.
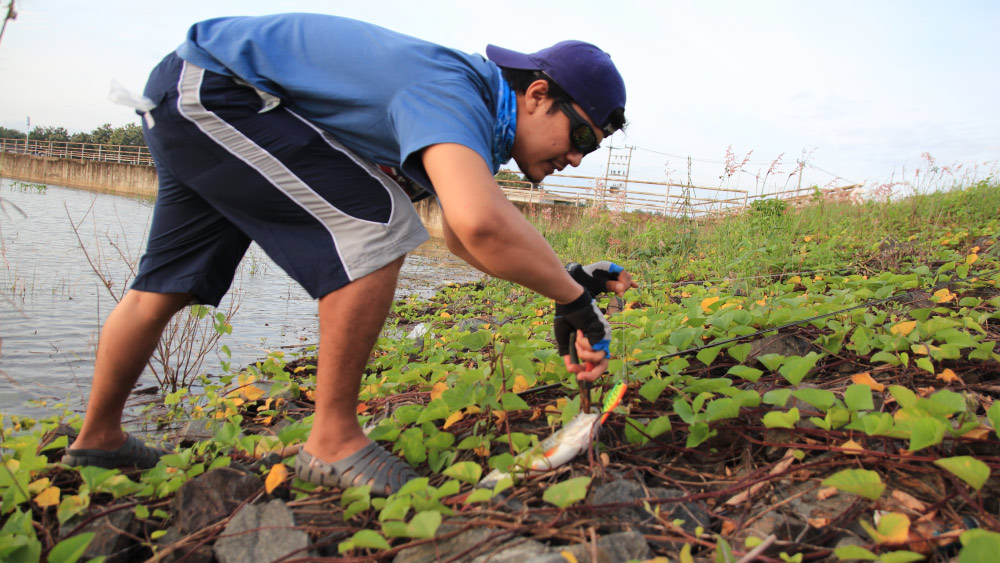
{"x":619,"y":164}
{"x":27,"y":135}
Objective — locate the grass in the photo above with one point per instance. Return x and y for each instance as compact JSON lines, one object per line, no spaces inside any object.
{"x":880,"y":388}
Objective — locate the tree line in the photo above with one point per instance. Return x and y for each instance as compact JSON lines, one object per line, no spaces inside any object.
{"x":128,"y":135}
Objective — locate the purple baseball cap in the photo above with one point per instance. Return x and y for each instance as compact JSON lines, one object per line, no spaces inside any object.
{"x":584,"y":71}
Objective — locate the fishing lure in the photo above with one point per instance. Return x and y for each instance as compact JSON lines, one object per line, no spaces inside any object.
{"x":567,"y":443}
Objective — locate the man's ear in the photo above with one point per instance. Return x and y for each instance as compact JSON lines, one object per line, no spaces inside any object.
{"x":536,"y":96}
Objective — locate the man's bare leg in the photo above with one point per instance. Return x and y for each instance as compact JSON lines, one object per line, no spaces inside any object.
{"x":127,"y":340}
{"x":350,"y":320}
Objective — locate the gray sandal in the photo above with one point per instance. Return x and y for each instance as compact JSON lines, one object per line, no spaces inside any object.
{"x":371,"y":465}
{"x":133,"y":453}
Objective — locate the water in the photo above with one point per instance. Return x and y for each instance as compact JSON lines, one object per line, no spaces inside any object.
{"x":52,"y":303}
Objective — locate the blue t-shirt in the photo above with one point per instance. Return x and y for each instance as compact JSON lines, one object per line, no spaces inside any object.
{"x":384,"y":95}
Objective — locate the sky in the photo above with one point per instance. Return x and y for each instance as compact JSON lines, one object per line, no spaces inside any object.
{"x":859,"y":89}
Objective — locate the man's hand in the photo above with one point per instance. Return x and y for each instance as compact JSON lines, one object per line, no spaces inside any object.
{"x":602,"y":276}
{"x":593,"y":363}
{"x":593,"y":336}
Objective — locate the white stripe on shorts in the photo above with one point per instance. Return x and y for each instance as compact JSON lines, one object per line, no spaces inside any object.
{"x":363,"y":246}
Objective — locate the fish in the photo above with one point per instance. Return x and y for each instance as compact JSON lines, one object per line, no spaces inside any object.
{"x":562,"y":446}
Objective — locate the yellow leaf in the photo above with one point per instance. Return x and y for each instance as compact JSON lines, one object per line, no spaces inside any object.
{"x":38,"y":485}
{"x":865,"y":378}
{"x":971,"y":259}
{"x":253,"y":393}
{"x":893,"y":529}
{"x":569,"y":557}
{"x":807,"y":239}
{"x":299,"y":369}
{"x":853,"y":447}
{"x":482,"y":451}
{"x":948,"y":376}
{"x":904,"y":328}
{"x":539,"y":312}
{"x":980,"y":433}
{"x":439,"y":388}
{"x":501,"y":416}
{"x":943,"y":295}
{"x":521,"y":384}
{"x":275,"y":477}
{"x":445,"y":315}
{"x":707,"y":302}
{"x":795,"y":280}
{"x":48,"y":497}
{"x":817,"y":277}
{"x":452,"y":419}
{"x":921,"y":350}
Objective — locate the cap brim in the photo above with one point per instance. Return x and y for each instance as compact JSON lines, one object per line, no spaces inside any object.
{"x":510,"y":59}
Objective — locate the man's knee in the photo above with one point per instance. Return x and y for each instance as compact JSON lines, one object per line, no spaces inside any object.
{"x":154,"y":308}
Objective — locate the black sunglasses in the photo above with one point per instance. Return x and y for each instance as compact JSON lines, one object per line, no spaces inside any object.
{"x":581,"y":134}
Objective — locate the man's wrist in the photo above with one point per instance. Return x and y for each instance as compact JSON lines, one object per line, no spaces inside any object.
{"x":580,"y":302}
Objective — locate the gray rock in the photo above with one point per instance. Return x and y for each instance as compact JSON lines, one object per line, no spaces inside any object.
{"x":211,"y":497}
{"x":471,"y":325}
{"x":693,"y":514}
{"x":520,"y":551}
{"x":109,"y":539}
{"x":784,"y":344}
{"x":612,"y":548}
{"x":261,"y":533}
{"x":445,"y":549}
{"x":188,"y":553}
{"x":196,"y":431}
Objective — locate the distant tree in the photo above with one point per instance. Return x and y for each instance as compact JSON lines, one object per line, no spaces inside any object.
{"x":49,"y":133}
{"x":101,"y":135}
{"x":6,"y":133}
{"x":508,"y":179}
{"x":130,"y":135}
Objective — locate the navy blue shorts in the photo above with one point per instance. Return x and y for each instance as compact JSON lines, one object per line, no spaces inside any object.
{"x":230,"y":173}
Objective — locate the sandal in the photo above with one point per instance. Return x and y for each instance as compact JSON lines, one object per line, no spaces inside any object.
{"x":371,"y":465}
{"x":134,"y":453}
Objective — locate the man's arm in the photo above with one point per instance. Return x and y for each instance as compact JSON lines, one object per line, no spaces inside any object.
{"x":487,"y":228}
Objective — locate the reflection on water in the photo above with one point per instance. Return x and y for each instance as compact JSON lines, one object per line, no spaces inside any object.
{"x":52,"y":303}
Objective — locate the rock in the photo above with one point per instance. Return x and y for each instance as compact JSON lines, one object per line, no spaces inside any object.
{"x":112,"y":538}
{"x":211,"y":497}
{"x":196,"y":431}
{"x":418,"y":332}
{"x":521,"y":550}
{"x":471,"y":325}
{"x":623,"y":546}
{"x":261,"y":533}
{"x":445,"y":549}
{"x":784,"y":344}
{"x":188,"y":553}
{"x":694,"y":514}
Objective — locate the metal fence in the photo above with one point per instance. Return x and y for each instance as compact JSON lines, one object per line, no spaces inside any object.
{"x":617,"y":194}
{"x":120,"y":154}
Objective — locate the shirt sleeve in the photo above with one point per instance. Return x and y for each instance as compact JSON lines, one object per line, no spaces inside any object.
{"x":445,"y":111}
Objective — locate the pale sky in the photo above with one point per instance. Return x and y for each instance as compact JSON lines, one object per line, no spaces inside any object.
{"x":865,"y":87}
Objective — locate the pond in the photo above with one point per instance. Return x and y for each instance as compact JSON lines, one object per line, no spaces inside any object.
{"x":54,"y":240}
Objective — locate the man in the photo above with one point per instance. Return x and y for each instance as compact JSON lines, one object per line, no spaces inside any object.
{"x":310,"y":134}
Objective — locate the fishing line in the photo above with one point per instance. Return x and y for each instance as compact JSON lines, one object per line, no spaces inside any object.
{"x":817,"y":317}
{"x":762,"y":332}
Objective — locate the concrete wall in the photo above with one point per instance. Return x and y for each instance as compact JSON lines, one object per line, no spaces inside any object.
{"x":136,"y":180}
{"x":126,"y":179}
